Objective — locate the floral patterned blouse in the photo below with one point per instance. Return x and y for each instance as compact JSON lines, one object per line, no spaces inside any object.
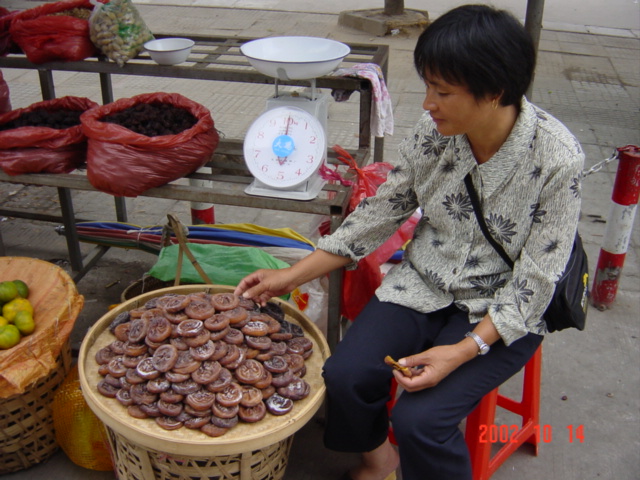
{"x":530,"y":196}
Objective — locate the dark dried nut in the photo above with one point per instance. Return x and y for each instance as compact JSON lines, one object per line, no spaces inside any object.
{"x":220,"y":350}
{"x":216,"y":322}
{"x":147,"y":370}
{"x":278,"y":405}
{"x":224,"y":301}
{"x":224,"y":422}
{"x":165,"y":357}
{"x":251,"y":352}
{"x":297,"y":342}
{"x":234,"y":337}
{"x":122,"y":331}
{"x":195,"y":423}
{"x":132,"y":361}
{"x":213,"y":431}
{"x":152,"y":303}
{"x":200,"y":339}
{"x":250,"y":371}
{"x":158,"y":385}
{"x":186,"y":387}
{"x":186,"y":363}
{"x":251,"y":396}
{"x":135,"y":349}
{"x":274,"y":310}
{"x":220,"y":334}
{"x":207,"y":372}
{"x":141,"y":395}
{"x":107,"y":390}
{"x":276,"y":364}
{"x":265,"y":381}
{"x":224,"y":379}
{"x":296,"y":362}
{"x":138,"y":330}
{"x":159,"y":329}
{"x":132,"y":376}
{"x":103,"y":369}
{"x":116,"y":367}
{"x":117,"y":346}
{"x":136,"y":312}
{"x":136,"y":412}
{"x":249,"y":304}
{"x":168,"y":423}
{"x":233,"y":353}
{"x":111,"y":380}
{"x":230,"y":395}
{"x":225,"y":412}
{"x":255,"y":329}
{"x":264,"y":355}
{"x":307,"y":354}
{"x":124,"y":383}
{"x":174,"y":303}
{"x":302,"y":372}
{"x":150,"y":409}
{"x":188,"y":409}
{"x":252,"y":414}
{"x":171,"y":397}
{"x":199,"y":308}
{"x":105,"y":355}
{"x":203,"y":352}
{"x":295,"y":348}
{"x":282,"y":335}
{"x":296,"y":390}
{"x":176,"y":318}
{"x":190,"y":328}
{"x":272,"y":324}
{"x":201,"y":400}
{"x":174,"y":377}
{"x":236,"y":363}
{"x":152,"y":313}
{"x":170,"y":409}
{"x":121,"y":318}
{"x":124,"y":397}
{"x":178,"y":342}
{"x":267,"y":392}
{"x":282,"y":379}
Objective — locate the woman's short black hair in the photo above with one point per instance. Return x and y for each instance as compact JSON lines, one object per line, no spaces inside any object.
{"x":485,"y":49}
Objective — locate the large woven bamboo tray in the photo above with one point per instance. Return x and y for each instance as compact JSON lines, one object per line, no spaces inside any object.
{"x":243,"y":437}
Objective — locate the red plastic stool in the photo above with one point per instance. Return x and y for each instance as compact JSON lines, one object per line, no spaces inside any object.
{"x":480,"y":422}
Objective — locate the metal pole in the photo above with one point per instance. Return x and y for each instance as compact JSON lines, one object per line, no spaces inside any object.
{"x":533,"y":25}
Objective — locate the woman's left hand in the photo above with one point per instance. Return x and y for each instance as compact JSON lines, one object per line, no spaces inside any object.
{"x":434,"y":365}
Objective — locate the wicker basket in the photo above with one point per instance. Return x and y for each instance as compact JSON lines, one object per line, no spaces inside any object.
{"x":135,"y":462}
{"x":144,"y":451}
{"x":26,"y":420}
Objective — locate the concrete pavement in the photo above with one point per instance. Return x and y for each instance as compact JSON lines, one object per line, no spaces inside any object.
{"x":587,"y":77}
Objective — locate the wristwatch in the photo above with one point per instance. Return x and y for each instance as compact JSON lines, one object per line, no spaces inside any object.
{"x":483,"y":347}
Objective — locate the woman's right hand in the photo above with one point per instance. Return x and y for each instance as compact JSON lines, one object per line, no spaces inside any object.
{"x":264,"y":284}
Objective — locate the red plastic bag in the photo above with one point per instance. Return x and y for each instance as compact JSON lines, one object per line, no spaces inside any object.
{"x":45,"y":37}
{"x":124,"y":163}
{"x":6,"y":43}
{"x":359,"y":285}
{"x":43,"y":149}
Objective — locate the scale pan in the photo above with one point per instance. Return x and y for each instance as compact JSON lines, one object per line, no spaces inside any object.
{"x":294,"y":58}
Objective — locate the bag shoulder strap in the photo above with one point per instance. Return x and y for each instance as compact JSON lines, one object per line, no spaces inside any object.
{"x":475,"y":203}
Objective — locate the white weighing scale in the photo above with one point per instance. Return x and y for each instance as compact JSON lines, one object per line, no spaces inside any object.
{"x":286,"y":145}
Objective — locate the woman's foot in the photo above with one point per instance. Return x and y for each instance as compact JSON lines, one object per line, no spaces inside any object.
{"x":377,"y":464}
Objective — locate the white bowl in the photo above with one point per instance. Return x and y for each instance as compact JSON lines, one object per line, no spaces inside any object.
{"x":169,"y":51}
{"x":294,"y":58}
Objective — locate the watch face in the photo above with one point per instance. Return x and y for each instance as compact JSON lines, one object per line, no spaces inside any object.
{"x":284,"y":147}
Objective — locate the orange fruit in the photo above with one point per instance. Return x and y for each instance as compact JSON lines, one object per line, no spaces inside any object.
{"x":8,"y":291}
{"x":10,"y":309}
{"x":24,"y":322}
{"x":9,"y":336}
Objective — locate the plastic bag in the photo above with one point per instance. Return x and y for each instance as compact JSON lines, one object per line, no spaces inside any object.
{"x":79,"y":432}
{"x":224,"y":265}
{"x":117,"y":29}
{"x":7,"y":44}
{"x":46,"y":37}
{"x":5,"y":98}
{"x":124,"y":163}
{"x":43,"y":149}
{"x":359,"y":285}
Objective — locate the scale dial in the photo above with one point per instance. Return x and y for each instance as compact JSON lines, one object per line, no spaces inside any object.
{"x":284,"y":147}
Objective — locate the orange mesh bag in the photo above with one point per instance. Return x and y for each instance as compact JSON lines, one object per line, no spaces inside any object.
{"x":79,"y":433}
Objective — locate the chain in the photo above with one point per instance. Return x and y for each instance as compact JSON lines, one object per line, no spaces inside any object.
{"x":600,"y":165}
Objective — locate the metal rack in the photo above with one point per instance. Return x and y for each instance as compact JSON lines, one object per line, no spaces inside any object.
{"x":215,"y":59}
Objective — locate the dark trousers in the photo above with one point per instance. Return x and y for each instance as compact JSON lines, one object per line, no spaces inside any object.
{"x":425,"y":423}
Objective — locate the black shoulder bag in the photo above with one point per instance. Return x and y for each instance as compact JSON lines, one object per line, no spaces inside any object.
{"x":568,"y":307}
